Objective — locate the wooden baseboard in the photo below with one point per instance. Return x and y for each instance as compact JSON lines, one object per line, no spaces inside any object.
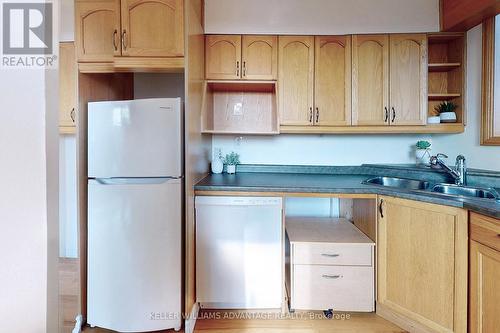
{"x":401,"y":320}
{"x":190,"y":321}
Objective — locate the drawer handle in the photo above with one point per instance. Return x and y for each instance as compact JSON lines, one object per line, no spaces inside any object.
{"x":326,"y":276}
{"x":330,"y":255}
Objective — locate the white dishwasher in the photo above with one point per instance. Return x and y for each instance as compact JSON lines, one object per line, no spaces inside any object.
{"x":239,"y":252}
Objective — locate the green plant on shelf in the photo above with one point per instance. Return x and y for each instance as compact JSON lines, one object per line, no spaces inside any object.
{"x":445,"y":107}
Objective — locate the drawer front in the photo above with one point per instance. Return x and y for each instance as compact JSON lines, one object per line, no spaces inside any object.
{"x":341,"y":288}
{"x":485,"y":230}
{"x":332,"y":254}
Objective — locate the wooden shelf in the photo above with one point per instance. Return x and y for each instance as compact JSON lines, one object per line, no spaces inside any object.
{"x":240,"y":107}
{"x":443,"y":67}
{"x":442,"y":97}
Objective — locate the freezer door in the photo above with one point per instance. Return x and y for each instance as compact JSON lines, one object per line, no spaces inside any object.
{"x":134,"y":254}
{"x":138,"y":138}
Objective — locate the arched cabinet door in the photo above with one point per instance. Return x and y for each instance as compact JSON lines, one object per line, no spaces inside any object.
{"x":408,"y":82}
{"x":259,"y":57}
{"x":152,"y":28}
{"x":332,"y":81}
{"x":296,"y":80}
{"x":370,"y":80}
{"x":223,"y":57}
{"x":97,"y":30}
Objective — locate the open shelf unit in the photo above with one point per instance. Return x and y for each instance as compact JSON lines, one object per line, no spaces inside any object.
{"x":446,"y":72}
{"x":240,"y":107}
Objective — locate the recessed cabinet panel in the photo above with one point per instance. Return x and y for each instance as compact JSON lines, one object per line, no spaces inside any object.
{"x":408,"y":82}
{"x":97,"y":30}
{"x":332,"y":87}
{"x":152,"y":28}
{"x":370,"y":80}
{"x":422,"y":264}
{"x":259,"y":57}
{"x":296,"y":79}
{"x":223,"y":57}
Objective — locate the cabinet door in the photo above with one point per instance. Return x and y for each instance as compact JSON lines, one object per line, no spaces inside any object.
{"x":370,"y":80}
{"x":97,"y":30}
{"x":422,"y":265}
{"x":296,"y":80}
{"x":259,"y":57}
{"x":332,"y":81}
{"x":152,"y":28}
{"x":67,"y":87}
{"x":223,"y":57}
{"x":408,"y":88}
{"x":484,"y":288}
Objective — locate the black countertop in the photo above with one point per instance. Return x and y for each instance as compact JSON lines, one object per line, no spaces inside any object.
{"x":334,"y":184}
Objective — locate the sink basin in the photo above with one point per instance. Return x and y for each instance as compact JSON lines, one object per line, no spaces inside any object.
{"x":466,"y":191}
{"x":403,"y":183}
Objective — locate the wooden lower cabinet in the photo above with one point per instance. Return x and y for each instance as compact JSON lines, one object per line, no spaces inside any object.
{"x":422,"y":265}
{"x":484,"y":275}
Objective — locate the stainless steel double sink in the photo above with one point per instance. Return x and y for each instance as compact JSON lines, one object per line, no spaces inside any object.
{"x":445,"y":189}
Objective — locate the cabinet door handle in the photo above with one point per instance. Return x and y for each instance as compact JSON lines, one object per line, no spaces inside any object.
{"x":317,"y":114}
{"x":244,"y":68}
{"x":386,"y":114}
{"x":380,"y":209}
{"x":124,"y":39}
{"x":310,"y":114}
{"x":327,"y":276}
{"x":114,"y":40}
{"x":237,"y":68}
{"x":330,"y":255}
{"x":393,"y":114}
{"x":72,"y":114}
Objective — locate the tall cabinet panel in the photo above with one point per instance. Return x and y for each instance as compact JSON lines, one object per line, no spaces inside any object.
{"x":67,"y":87}
{"x":259,"y":57}
{"x":152,"y":28}
{"x":296,"y":79}
{"x":408,"y":81}
{"x":223,"y":54}
{"x":97,"y":30}
{"x":370,"y":80}
{"x":332,"y":81}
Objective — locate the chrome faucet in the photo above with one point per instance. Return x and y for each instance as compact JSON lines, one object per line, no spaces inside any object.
{"x":459,"y":174}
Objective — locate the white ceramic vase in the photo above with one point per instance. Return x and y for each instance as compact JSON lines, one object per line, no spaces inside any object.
{"x":217,"y":165}
{"x":231,"y":169}
{"x":423,"y":156}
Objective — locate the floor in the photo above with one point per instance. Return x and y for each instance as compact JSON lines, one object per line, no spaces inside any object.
{"x":225,"y":322}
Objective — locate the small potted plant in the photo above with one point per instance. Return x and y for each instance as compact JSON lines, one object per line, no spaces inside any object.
{"x":423,"y":152}
{"x":232,"y":159}
{"x":446,"y":112}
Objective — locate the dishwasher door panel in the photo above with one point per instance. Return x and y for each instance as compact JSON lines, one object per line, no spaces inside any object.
{"x":239,"y":254}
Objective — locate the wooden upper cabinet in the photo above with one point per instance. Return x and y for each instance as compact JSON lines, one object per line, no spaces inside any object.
{"x":259,"y":57}
{"x":422,"y":265}
{"x":408,"y":81}
{"x":67,"y":87}
{"x":223,"y":57}
{"x":332,"y":81}
{"x":370,"y":80}
{"x":296,"y":80}
{"x":152,"y":28}
{"x":97,"y":30}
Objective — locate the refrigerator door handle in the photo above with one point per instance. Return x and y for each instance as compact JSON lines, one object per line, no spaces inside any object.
{"x":131,"y":180}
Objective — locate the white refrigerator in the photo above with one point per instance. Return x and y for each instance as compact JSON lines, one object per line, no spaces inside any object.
{"x":134,"y":214}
